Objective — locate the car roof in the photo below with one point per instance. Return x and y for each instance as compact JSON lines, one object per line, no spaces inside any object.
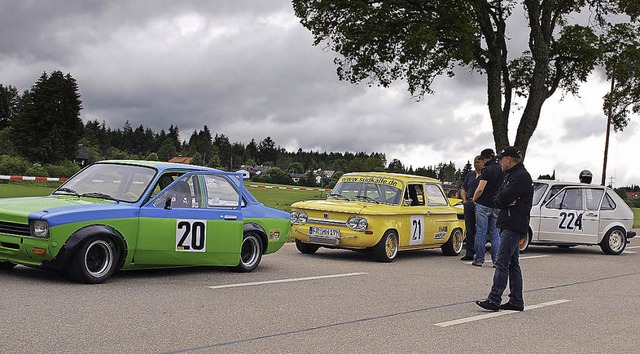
{"x":567,"y":184}
{"x":400,"y":176}
{"x":160,"y":165}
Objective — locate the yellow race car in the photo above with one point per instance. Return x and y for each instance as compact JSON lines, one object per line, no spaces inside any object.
{"x":381,"y":212}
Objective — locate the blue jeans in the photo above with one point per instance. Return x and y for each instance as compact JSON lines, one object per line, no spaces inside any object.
{"x":508,"y":268}
{"x":486,"y":223}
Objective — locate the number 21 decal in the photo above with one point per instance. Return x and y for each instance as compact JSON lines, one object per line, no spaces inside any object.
{"x":570,"y":221}
{"x":417,"y":230}
{"x":191,"y":235}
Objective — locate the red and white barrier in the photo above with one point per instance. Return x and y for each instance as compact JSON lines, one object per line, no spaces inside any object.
{"x":30,"y":178}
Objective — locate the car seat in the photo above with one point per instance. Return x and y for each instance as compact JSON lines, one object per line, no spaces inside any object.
{"x":182,"y":193}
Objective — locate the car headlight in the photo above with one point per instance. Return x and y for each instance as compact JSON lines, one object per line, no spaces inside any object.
{"x":299,"y":217}
{"x":39,"y":228}
{"x":357,"y":223}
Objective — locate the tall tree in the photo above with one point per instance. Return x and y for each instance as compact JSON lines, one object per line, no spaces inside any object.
{"x":383,"y":41}
{"x":9,"y":98}
{"x":48,"y":126}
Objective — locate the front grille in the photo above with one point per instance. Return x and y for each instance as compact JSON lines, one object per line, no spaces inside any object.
{"x":12,"y":228}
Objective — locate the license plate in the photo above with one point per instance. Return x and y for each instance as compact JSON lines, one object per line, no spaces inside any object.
{"x":324,"y":232}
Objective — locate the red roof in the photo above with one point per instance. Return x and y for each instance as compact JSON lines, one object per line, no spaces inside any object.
{"x":181,"y":159}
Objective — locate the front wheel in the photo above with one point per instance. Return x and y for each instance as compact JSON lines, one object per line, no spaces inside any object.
{"x":306,"y":248}
{"x":387,"y":249}
{"x":250,"y":253}
{"x":453,"y":246}
{"x":524,"y":242}
{"x":6,"y":265}
{"x":614,"y":241}
{"x":95,"y":261}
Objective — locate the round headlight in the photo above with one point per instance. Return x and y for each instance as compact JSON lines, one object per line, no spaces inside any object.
{"x":39,"y":228}
{"x":302,"y":218}
{"x":357,"y":223}
{"x":294,"y":217}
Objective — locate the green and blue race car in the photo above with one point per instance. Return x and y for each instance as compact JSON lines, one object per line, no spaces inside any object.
{"x":116,"y":215}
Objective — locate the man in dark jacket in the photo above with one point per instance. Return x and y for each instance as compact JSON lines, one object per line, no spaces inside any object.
{"x":514,"y":200}
{"x":468,"y":189}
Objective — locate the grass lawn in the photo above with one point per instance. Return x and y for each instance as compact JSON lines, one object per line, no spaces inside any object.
{"x":636,"y":218}
{"x":275,"y":198}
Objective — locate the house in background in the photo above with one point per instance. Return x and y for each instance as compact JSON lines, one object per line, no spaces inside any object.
{"x":81,"y":157}
{"x":181,"y":159}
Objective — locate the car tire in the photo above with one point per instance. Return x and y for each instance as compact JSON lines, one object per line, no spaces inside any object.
{"x":250,"y":253}
{"x":453,"y":246}
{"x":94,"y":261}
{"x":523,"y":246}
{"x":614,"y":241}
{"x":387,"y":249}
{"x":306,"y":248}
{"x":6,"y":265}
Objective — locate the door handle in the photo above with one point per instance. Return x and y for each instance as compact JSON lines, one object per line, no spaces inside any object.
{"x":592,"y":214}
{"x":229,"y":217}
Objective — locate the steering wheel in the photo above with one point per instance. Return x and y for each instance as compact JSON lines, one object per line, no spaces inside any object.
{"x":131,"y":195}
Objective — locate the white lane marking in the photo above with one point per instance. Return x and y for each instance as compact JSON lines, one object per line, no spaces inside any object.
{"x":629,"y":252}
{"x":532,"y":257}
{"x":285,"y":280}
{"x":496,"y":314}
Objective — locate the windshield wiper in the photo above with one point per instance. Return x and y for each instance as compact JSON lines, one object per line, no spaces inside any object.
{"x":338,"y":196}
{"x":67,"y":190}
{"x":98,"y":195}
{"x":369,"y":199}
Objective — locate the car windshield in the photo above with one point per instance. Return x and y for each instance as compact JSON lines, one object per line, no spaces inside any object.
{"x":375,"y":190}
{"x":125,"y":183}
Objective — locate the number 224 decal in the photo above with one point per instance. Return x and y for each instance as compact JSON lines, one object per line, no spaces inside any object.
{"x":570,"y":221}
{"x":191,"y":236}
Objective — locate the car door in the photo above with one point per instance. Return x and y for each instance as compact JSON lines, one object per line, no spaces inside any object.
{"x":563,"y":219}
{"x":414,"y":217}
{"x":196,"y":220}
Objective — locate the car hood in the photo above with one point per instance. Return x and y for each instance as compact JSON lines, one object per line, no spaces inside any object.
{"x":344,"y":206}
{"x":19,"y":210}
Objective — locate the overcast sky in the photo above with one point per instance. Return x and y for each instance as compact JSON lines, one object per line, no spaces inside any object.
{"x":247,"y":69}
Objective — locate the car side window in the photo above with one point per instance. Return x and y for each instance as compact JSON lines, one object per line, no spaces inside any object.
{"x":552,"y":192}
{"x":608,"y":203}
{"x":567,"y":199}
{"x":415,"y":194}
{"x":181,"y":194}
{"x":593,"y":197}
{"x":220,"y":192}
{"x":435,"y":197}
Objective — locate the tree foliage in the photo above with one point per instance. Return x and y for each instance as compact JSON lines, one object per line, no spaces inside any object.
{"x":416,"y":41}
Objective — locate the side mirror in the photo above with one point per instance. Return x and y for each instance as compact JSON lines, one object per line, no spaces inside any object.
{"x":167,"y":204}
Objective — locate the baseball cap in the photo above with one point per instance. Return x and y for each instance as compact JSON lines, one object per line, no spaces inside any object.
{"x":510,"y":151}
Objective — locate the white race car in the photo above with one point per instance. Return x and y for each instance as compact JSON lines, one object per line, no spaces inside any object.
{"x":567,"y":214}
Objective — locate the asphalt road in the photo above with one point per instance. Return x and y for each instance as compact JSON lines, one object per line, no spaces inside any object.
{"x":336,"y":301}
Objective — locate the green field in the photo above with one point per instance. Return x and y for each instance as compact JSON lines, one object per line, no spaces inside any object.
{"x":275,"y":198}
{"x":636,"y":218}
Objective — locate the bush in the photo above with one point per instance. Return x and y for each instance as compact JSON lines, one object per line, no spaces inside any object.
{"x":65,"y":169}
{"x":13,"y":165}
{"x":36,"y":170}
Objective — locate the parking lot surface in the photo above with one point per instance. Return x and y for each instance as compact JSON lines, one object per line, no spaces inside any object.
{"x":577,"y":300}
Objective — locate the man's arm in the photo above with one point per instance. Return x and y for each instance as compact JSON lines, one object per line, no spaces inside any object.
{"x":463,"y":195}
{"x":511,"y":193}
{"x":479,"y":190}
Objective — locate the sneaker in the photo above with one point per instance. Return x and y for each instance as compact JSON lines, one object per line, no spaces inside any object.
{"x":474,"y":263}
{"x":488,"y":305}
{"x":467,"y":258}
{"x":509,"y":306}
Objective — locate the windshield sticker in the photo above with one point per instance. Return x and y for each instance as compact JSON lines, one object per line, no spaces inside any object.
{"x":374,"y":180}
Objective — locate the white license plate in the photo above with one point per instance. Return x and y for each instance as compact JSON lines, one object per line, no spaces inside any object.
{"x":324,"y":232}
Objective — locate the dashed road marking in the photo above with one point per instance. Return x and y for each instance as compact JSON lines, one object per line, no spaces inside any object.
{"x":496,"y":314}
{"x":291,"y":280}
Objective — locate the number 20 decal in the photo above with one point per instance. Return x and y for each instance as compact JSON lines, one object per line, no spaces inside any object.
{"x":191,"y":236}
{"x":417,"y":230}
{"x":570,"y":221}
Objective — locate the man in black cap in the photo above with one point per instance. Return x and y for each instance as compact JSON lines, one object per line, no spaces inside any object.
{"x":514,"y":200}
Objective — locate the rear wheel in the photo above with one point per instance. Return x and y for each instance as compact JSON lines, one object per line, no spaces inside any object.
{"x":95,"y":261}
{"x":306,"y":248}
{"x":387,"y":249}
{"x":614,"y":241}
{"x":250,"y":253}
{"x":453,"y":246}
{"x":6,"y":265}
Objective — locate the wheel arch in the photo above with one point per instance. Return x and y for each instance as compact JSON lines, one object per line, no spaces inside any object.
{"x":79,"y":236}
{"x":611,"y":225}
{"x":258,"y":229}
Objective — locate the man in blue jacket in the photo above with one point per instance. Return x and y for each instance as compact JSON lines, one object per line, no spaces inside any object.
{"x":514,"y":200}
